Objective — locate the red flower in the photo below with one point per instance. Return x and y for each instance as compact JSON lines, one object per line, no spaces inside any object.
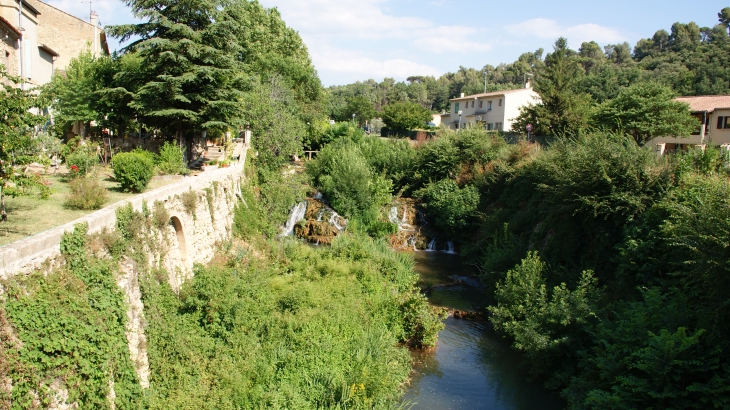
{"x":74,"y":168}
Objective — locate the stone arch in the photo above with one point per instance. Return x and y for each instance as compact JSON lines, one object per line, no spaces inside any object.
{"x":182,"y":245}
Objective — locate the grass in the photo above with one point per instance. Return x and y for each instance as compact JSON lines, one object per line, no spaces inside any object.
{"x":29,"y":215}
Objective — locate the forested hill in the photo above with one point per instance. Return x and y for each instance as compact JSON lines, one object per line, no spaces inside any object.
{"x":692,"y":60}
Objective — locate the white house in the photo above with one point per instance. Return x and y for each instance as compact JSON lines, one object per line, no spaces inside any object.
{"x":496,"y":110}
{"x":713,"y":111}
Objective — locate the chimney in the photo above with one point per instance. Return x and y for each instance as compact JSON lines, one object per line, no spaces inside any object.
{"x":462,"y":95}
{"x":94,"y":21}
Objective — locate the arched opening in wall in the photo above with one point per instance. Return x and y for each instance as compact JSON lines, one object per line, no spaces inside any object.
{"x":180,"y":239}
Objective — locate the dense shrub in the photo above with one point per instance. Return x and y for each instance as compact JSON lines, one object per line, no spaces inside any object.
{"x":86,"y":193}
{"x":451,"y":208}
{"x":133,"y":170}
{"x":170,"y":160}
{"x":82,"y":160}
{"x":347,"y":180}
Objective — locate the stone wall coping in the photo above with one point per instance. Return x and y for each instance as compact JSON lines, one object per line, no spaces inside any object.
{"x":29,"y":253}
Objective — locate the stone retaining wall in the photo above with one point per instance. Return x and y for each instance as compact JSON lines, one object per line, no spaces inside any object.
{"x":197,"y":234}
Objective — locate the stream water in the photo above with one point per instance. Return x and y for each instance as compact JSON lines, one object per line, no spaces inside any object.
{"x":471,"y":367}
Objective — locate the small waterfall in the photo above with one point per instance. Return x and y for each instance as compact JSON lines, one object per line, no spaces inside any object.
{"x":413,"y":243}
{"x":449,"y":247}
{"x":393,"y":216}
{"x":297,"y":214}
{"x":431,"y":245}
{"x":335,"y":220}
{"x":405,"y":214}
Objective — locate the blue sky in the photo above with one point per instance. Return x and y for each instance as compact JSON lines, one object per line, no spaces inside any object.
{"x":352,"y":40}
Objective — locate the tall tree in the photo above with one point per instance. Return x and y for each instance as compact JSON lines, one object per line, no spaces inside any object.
{"x":562,"y":109}
{"x":646,"y":111}
{"x":191,"y":79}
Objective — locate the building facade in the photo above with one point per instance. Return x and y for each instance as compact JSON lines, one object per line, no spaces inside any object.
{"x":46,"y":39}
{"x":713,"y":112}
{"x":495,"y":110}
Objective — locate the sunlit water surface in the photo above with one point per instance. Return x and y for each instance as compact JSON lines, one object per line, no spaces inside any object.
{"x":472,"y":367}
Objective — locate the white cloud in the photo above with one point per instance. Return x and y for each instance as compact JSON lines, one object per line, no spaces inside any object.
{"x":355,"y":66}
{"x":387,"y":44}
{"x":550,"y":29}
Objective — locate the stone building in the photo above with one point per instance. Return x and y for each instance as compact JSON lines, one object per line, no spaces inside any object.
{"x":43,"y":39}
{"x":9,"y":46}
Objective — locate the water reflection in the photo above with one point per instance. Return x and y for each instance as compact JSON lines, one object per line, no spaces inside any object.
{"x":472,"y":368}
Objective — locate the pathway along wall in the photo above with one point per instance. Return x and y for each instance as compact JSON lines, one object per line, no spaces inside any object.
{"x":195,"y":233}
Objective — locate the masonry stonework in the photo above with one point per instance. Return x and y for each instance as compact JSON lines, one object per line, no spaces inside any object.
{"x":67,"y":35}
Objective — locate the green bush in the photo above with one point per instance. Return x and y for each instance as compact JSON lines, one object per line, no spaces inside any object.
{"x":347,"y":180}
{"x":86,"y":193}
{"x":405,"y":115}
{"x":170,"y":160}
{"x":450,"y":208}
{"x":133,"y":170}
{"x":82,"y":160}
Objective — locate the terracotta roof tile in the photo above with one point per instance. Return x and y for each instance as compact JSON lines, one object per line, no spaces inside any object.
{"x":707,"y":103}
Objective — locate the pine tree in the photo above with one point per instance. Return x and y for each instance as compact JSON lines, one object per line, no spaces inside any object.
{"x":190,"y":78}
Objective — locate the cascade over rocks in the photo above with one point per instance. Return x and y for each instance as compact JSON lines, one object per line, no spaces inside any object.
{"x":315,"y":221}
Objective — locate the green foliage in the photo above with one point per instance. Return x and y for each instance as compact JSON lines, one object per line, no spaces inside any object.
{"x":286,"y":327}
{"x":70,"y":324}
{"x":170,"y":160}
{"x":15,"y":105}
{"x":82,"y":160}
{"x":646,"y":111}
{"x":347,"y":180}
{"x":562,"y":109}
{"x":189,"y":200}
{"x":405,"y":115}
{"x":361,"y":107}
{"x":543,"y":324}
{"x":160,"y":215}
{"x":450,"y":207}
{"x":86,"y":193}
{"x":133,"y":170}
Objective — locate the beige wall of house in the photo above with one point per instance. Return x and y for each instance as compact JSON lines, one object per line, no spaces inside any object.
{"x":50,"y":39}
{"x":497,"y":110}
{"x":67,"y":35}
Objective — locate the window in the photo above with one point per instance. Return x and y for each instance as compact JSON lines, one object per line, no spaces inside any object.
{"x":481,"y":104}
{"x":490,"y":126}
{"x":498,"y":126}
{"x":472,"y":104}
{"x":489,"y":105}
{"x":456,"y":108}
{"x":723,"y":122}
{"x":500,"y":102}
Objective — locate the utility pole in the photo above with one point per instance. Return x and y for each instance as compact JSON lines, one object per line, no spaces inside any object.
{"x":21,"y":42}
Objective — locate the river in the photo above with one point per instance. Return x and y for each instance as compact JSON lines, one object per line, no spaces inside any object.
{"x":472,"y":367}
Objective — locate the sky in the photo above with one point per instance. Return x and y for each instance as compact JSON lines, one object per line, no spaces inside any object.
{"x":355,"y":40}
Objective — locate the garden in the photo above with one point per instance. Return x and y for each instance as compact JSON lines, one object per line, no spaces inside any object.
{"x":78,"y":182}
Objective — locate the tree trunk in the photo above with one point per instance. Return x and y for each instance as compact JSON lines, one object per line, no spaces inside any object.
{"x":4,"y":217}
